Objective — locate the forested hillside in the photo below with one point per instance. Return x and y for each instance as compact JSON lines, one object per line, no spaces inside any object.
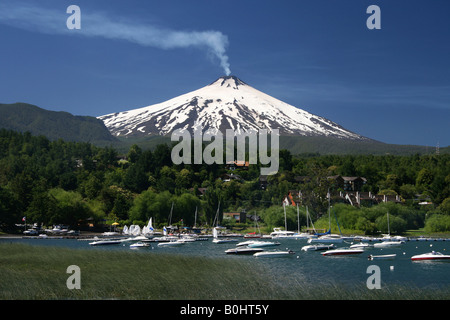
{"x":54,"y":125}
{"x":60,"y":182}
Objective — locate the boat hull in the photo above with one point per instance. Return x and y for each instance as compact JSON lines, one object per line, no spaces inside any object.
{"x":274,"y":254}
{"x":103,"y":243}
{"x":433,"y":256}
{"x":388,"y":244}
{"x":171,"y":244}
{"x":382,"y":257}
{"x":342,"y":252}
{"x":317,"y":247}
{"x":243,"y":251}
{"x":263,"y":244}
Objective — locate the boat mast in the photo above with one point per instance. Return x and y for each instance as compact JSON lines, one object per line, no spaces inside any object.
{"x":195,"y":219}
{"x":389,"y":228}
{"x":170,"y":215}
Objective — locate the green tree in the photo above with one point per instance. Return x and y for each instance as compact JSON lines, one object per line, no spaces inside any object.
{"x":424,"y":179}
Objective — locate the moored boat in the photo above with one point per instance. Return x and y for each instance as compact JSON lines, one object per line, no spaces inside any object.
{"x":260,"y":244}
{"x":104,"y":242}
{"x":317,"y":247}
{"x":278,"y":233}
{"x":139,"y":245}
{"x":340,"y":252}
{"x":431,"y":256}
{"x":243,"y":250}
{"x":382,"y":257}
{"x":362,"y":245}
{"x":329,"y":238}
{"x":388,"y":244}
{"x":274,"y":254}
{"x":171,"y":244}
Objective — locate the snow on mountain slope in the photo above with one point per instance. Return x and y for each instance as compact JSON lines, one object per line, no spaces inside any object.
{"x":227,"y":103}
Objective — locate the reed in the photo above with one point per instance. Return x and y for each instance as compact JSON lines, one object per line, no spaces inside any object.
{"x":34,"y":272}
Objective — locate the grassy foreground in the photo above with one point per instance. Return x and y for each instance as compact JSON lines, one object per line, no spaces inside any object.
{"x":33,"y":272}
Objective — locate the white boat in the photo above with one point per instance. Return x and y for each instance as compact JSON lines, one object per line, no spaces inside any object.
{"x":187,"y":239}
{"x":104,"y":242}
{"x":318,"y":247}
{"x":246,"y":243}
{"x":171,"y":244}
{"x":110,"y":234}
{"x":278,"y":233}
{"x":362,"y":245}
{"x":364,"y":239}
{"x":224,"y":240}
{"x":274,"y":254}
{"x":139,"y":245}
{"x":221,"y":240}
{"x":431,"y":256}
{"x":303,"y":236}
{"x":329,"y":238}
{"x":243,"y":250}
{"x":388,"y":244}
{"x":341,"y":252}
{"x":382,"y":257}
{"x":388,"y":237}
{"x":261,"y":244}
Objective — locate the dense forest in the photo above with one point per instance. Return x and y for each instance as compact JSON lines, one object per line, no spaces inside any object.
{"x":79,"y":184}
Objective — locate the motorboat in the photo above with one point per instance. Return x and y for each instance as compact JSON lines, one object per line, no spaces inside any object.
{"x":329,"y":238}
{"x":274,"y":254}
{"x":243,"y":250}
{"x":261,"y":244}
{"x":171,"y":244}
{"x":304,"y":236}
{"x":388,"y":244}
{"x":278,"y":233}
{"x":187,"y":239}
{"x":252,"y":235}
{"x":224,"y":240}
{"x":340,"y":252}
{"x":364,"y":239}
{"x":431,"y":256}
{"x":318,"y":247}
{"x":30,"y":232}
{"x":246,"y":243}
{"x":139,"y":245}
{"x":362,"y":245}
{"x":388,"y":237}
{"x":382,"y":257}
{"x":105,"y":242}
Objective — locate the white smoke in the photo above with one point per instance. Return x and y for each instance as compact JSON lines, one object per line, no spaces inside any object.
{"x":51,"y":21}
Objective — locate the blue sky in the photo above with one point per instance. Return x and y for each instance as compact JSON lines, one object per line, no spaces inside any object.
{"x":392,"y":84}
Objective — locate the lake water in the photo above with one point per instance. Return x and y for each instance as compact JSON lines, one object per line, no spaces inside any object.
{"x":309,"y":267}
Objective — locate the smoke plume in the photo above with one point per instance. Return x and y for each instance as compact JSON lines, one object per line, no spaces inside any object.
{"x":50,"y":21}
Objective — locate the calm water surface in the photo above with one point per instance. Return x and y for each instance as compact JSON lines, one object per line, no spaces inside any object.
{"x":308,"y":267}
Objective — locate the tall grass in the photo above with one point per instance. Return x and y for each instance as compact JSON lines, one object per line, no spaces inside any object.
{"x":34,"y":272}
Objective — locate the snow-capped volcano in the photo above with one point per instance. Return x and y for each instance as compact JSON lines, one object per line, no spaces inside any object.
{"x":227,"y":103}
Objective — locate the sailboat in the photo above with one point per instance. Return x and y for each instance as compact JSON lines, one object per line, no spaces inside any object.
{"x":278,"y":233}
{"x":149,"y":230}
{"x":327,"y":237}
{"x":387,"y":241}
{"x":254,"y":235}
{"x":388,"y":237}
{"x":222,"y":240}
{"x":302,"y":235}
{"x":215,"y":230}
